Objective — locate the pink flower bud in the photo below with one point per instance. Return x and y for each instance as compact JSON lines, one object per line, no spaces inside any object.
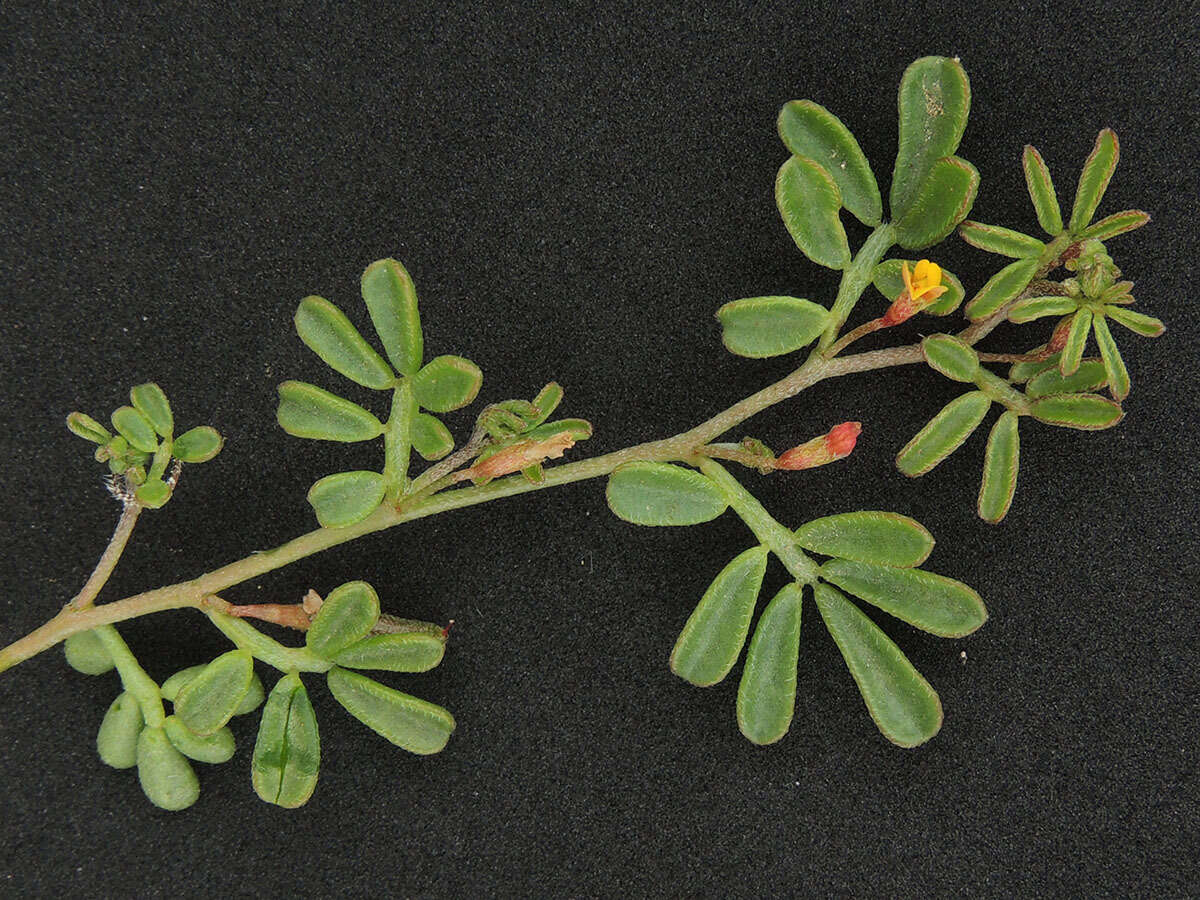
{"x":837,"y":444}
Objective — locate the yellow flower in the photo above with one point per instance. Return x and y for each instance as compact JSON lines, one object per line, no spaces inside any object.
{"x":921,"y":287}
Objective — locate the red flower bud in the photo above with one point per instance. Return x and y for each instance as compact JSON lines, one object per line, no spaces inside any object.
{"x":837,"y":444}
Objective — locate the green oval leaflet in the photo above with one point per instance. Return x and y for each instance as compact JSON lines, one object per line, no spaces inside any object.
{"x":197,"y":445}
{"x":1023,"y":371}
{"x":905,"y":708}
{"x":951,"y":357}
{"x":546,"y":402}
{"x":172,"y":686}
{"x":411,"y":724}
{"x":1072,"y":354}
{"x":87,"y":428}
{"x":713,"y":636}
{"x":346,"y":497}
{"x":1041,"y":191}
{"x":287,"y":752}
{"x":652,"y":493}
{"x":1032,"y":308}
{"x":889,"y":281}
{"x":1088,"y":376}
{"x":307,"y":411}
{"x":944,"y":433}
{"x":1138,"y":323}
{"x":214,"y":748}
{"x":135,"y":428}
{"x":809,"y":201}
{"x":391,"y":301}
{"x":1086,"y":412}
{"x":1117,"y":223}
{"x":447,"y":383}
{"x":766,"y":698}
{"x":1000,"y":464}
{"x":151,"y":402}
{"x":812,"y":131}
{"x":207,"y":701}
{"x":934,"y":102}
{"x":167,"y":778}
{"x":886,"y":538}
{"x":86,"y":653}
{"x":925,"y":600}
{"x":1004,"y":241}
{"x":579,"y":429}
{"x":430,"y":437}
{"x":117,"y":740}
{"x":1093,"y":180}
{"x":408,"y":652}
{"x":253,"y":697}
{"x":1002,"y":287}
{"x":944,"y":199}
{"x":1114,"y":366}
{"x":346,"y":617}
{"x":153,"y":494}
{"x":758,"y":327}
{"x":328,"y":333}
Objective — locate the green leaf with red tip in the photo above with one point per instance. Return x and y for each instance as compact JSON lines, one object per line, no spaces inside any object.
{"x":307,"y":411}
{"x":1093,"y":180}
{"x":287,"y":752}
{"x":391,"y":301}
{"x":1089,"y":376}
{"x":934,"y":102}
{"x":197,"y":445}
{"x":135,"y":428}
{"x":759,"y":327}
{"x":944,"y":199}
{"x":167,"y":778}
{"x":905,"y":708}
{"x":1072,"y":354}
{"x":211,"y":698}
{"x":951,"y":357}
{"x":889,"y":281}
{"x":412,"y":724}
{"x":885,"y":538}
{"x":347,"y":497}
{"x":712,"y":639}
{"x":151,"y":402}
{"x":653,"y":493}
{"x":1117,"y":223}
{"x":346,"y":617}
{"x":430,"y":437}
{"x":1003,"y":241}
{"x":446,"y":383}
{"x":944,"y":433}
{"x":766,"y":698}
{"x":1114,"y":366}
{"x":1041,"y":192}
{"x":406,"y":652}
{"x":1002,"y":287}
{"x":811,"y":131}
{"x":1138,"y":323}
{"x":925,"y":600}
{"x":1032,"y":308}
{"x":328,"y":333}
{"x":1086,"y":412}
{"x":117,"y":740}
{"x":1000,"y":463}
{"x":809,"y":200}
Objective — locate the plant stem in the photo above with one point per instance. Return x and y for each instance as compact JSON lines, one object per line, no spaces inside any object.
{"x":134,"y":679}
{"x":855,"y":279}
{"x":246,"y":637}
{"x":108,"y":560}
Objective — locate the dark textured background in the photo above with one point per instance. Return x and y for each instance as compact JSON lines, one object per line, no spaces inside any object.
{"x":575,"y":190}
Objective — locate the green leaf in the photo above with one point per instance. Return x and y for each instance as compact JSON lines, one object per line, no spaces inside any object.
{"x":951,"y":357}
{"x":197,"y":445}
{"x":1041,"y":192}
{"x":87,"y":428}
{"x":217,"y":747}
{"x":579,"y":429}
{"x":809,"y":200}
{"x":1072,"y":354}
{"x":1116,"y":373}
{"x":714,"y":634}
{"x":392,"y":302}
{"x":1138,"y":323}
{"x":430,"y":437}
{"x":886,"y":538}
{"x":346,"y":617}
{"x":889,"y":281}
{"x":446,"y":383}
{"x":210,"y":699}
{"x":287,"y":752}
{"x":406,"y":652}
{"x":766,"y":696}
{"x":546,"y":402}
{"x":944,"y":433}
{"x":1023,"y":371}
{"x":117,"y":739}
{"x":328,"y":333}
{"x":1000,"y":464}
{"x":935,"y":99}
{"x":925,"y":600}
{"x":1093,"y":180}
{"x":151,"y":402}
{"x":346,"y":497}
{"x":811,"y":131}
{"x":1004,"y":241}
{"x":167,"y":778}
{"x":172,"y":686}
{"x":1088,"y":376}
{"x":135,"y":428}
{"x":414,"y":725}
{"x":943,"y":199}
{"x":905,"y":708}
{"x":1039,"y":307}
{"x":1117,"y":223}
{"x":153,"y":494}
{"x":86,"y":653}
{"x":653,"y":493}
{"x":307,"y":411}
{"x":1002,"y":287}
{"x":253,"y":697}
{"x":1086,"y":412}
{"x":759,"y":327}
